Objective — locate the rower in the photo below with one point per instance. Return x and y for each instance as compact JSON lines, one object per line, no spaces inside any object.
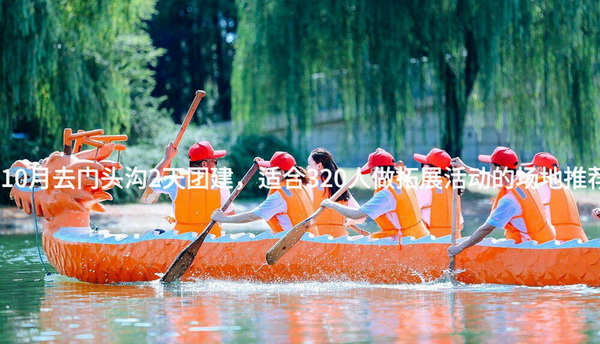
{"x":435,"y":193}
{"x":558,"y":200}
{"x":393,"y":207}
{"x":516,"y":209}
{"x":328,"y":182}
{"x":289,"y":201}
{"x":195,"y":193}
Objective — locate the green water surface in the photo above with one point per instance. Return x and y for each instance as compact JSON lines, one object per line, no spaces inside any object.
{"x":35,"y":308}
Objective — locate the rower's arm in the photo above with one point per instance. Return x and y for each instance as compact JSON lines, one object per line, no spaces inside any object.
{"x":483,"y":177}
{"x":348,"y":212}
{"x":352,"y":203}
{"x":249,"y":216}
{"x":170,"y":153}
{"x":479,"y":235}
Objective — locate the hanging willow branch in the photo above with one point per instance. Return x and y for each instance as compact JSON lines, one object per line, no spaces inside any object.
{"x":529,"y":62}
{"x":73,"y":63}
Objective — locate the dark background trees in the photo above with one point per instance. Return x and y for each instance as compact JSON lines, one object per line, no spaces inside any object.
{"x":198,"y":37}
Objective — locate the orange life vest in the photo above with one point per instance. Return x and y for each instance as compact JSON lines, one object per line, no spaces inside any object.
{"x":194,"y":205}
{"x":536,"y":223}
{"x":299,"y":207}
{"x":440,"y":223}
{"x":564,"y":214}
{"x":330,"y":222}
{"x":408,"y":212}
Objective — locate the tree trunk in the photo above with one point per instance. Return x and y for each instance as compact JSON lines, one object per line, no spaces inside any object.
{"x":456,"y":97}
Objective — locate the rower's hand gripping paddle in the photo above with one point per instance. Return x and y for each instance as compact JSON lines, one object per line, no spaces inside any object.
{"x":149,"y":196}
{"x":185,"y":259}
{"x":293,"y":235}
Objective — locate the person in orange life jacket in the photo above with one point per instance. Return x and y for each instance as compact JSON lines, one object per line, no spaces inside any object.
{"x":393,"y":206}
{"x":435,"y":192}
{"x":328,"y":182}
{"x":596,"y":213}
{"x":559,"y":203}
{"x":194,"y":197}
{"x":289,"y":201}
{"x":516,"y":208}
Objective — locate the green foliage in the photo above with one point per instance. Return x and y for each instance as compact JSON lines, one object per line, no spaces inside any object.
{"x":549,"y":71}
{"x":534,"y":62}
{"x":76,"y":64}
{"x":243,"y":151}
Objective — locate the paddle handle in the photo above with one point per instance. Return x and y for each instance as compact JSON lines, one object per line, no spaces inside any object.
{"x":334,"y":198}
{"x":344,"y":188}
{"x":233,"y":196}
{"x":186,"y":257}
{"x":241,"y":184}
{"x":188,"y":118}
{"x":186,"y":121}
{"x":455,"y":217}
{"x":149,"y":196}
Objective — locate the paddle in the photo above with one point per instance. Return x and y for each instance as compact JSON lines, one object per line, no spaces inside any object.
{"x":150,"y":197}
{"x":185,"y":259}
{"x":293,"y":235}
{"x":358,"y":230}
{"x":450,"y":275}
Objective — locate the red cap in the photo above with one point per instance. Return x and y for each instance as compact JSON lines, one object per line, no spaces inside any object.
{"x":436,"y":157}
{"x":203,"y":150}
{"x":544,"y":159}
{"x":378,"y":158}
{"x":282,"y":160}
{"x":502,"y":156}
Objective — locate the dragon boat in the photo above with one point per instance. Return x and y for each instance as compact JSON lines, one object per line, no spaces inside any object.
{"x":75,"y":250}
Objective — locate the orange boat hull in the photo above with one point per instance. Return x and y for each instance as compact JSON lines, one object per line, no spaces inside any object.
{"x":322,"y":259}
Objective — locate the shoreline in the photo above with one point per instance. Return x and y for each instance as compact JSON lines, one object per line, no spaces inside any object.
{"x":137,"y":218}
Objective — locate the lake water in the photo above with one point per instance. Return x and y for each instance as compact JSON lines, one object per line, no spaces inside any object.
{"x":38,"y":308}
{"x":35,"y":308}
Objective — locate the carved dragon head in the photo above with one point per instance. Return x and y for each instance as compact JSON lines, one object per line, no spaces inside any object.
{"x":71,"y":182}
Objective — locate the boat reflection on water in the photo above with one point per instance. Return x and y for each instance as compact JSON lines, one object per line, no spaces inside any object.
{"x":219,"y":311}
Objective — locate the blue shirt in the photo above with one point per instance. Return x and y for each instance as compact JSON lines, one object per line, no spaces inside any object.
{"x":508,"y":208}
{"x":170,"y":184}
{"x":382,"y":203}
{"x":274,"y":205}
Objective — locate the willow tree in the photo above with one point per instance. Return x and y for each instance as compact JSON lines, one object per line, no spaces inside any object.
{"x":550,"y":73}
{"x":75,"y":63}
{"x":381,"y":60}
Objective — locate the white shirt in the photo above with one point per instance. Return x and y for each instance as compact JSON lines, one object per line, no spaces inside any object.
{"x":272,"y":206}
{"x":545,"y":195}
{"x":170,"y":184}
{"x":382,"y":203}
{"x":424,"y":198}
{"x":508,"y":207}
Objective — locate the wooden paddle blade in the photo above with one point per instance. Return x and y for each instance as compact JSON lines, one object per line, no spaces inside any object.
{"x":287,"y":242}
{"x":293,"y":235}
{"x":359,"y":230}
{"x":184,"y":260}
